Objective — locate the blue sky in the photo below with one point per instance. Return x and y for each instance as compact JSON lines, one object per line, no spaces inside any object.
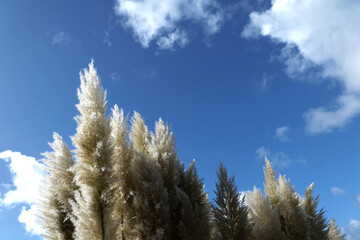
{"x":237,"y":80}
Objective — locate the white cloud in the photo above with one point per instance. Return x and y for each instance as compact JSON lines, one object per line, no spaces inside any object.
{"x":279,"y":159}
{"x":28,"y":217}
{"x":175,"y":38}
{"x":281,"y":133}
{"x":27,"y":175}
{"x":325,"y":34}
{"x":336,"y":191}
{"x":163,"y":21}
{"x":352,"y":231}
{"x":324,"y":120}
{"x":297,"y":66}
{"x":61,"y":38}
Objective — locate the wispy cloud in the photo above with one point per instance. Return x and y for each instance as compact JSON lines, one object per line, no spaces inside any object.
{"x":265,"y":82}
{"x":352,"y":231}
{"x":107,"y":40}
{"x":61,"y":38}
{"x":115,"y":77}
{"x":321,"y":34}
{"x":336,"y":191}
{"x":178,"y":38}
{"x":144,"y":74}
{"x":107,"y":32}
{"x":279,"y":159}
{"x":27,"y":175}
{"x":358,"y":200}
{"x":281,"y":133}
{"x":162,"y":21}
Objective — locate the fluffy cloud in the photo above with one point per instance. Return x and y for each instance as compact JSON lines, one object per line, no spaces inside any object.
{"x":27,"y":175}
{"x":281,"y":133}
{"x":336,"y":191}
{"x":163,"y":21}
{"x":352,"y":231}
{"x":28,"y":217}
{"x":323,"y":120}
{"x":320,"y":33}
{"x":279,"y":159}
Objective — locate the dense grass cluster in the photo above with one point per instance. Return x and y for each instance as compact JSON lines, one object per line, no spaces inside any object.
{"x":124,"y":182}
